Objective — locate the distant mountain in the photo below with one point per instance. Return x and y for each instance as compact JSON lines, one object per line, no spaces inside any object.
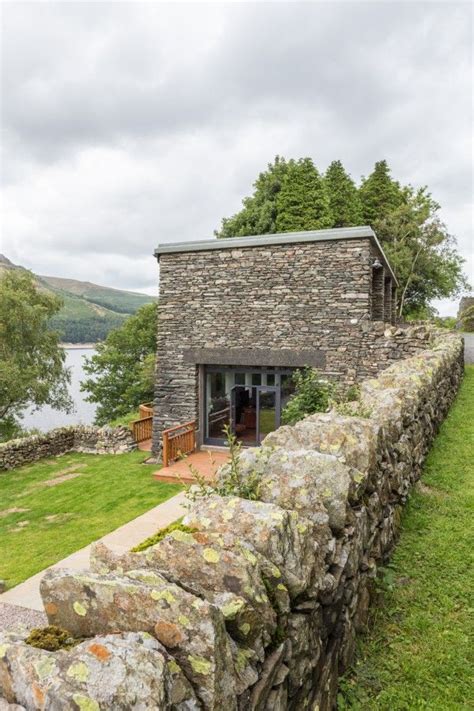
{"x":89,"y":311}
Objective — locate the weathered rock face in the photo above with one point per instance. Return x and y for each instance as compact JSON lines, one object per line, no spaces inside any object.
{"x":88,"y":604}
{"x":77,"y":438}
{"x":282,"y":537}
{"x":259,"y":606}
{"x":136,"y":668}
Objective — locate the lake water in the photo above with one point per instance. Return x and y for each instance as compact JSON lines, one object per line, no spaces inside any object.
{"x":46,"y":418}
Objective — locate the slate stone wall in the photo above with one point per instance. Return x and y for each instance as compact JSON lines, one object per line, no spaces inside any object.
{"x":77,"y":438}
{"x":257,"y":605}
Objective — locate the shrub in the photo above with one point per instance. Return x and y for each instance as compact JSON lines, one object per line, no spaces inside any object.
{"x":312,"y":394}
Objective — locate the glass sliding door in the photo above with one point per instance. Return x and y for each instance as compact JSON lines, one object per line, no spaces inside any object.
{"x":268,"y":415}
{"x":248,"y":400}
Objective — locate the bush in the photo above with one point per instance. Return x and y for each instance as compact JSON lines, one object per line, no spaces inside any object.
{"x":312,"y":394}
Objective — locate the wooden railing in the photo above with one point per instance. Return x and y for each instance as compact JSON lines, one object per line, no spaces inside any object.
{"x":145,"y":410}
{"x":177,"y":441}
{"x":142,"y":428}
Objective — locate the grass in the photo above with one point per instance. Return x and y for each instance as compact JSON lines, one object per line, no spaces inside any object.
{"x":111,"y":490}
{"x":417,"y":654}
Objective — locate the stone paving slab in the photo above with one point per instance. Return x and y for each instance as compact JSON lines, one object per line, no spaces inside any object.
{"x":27,"y":595}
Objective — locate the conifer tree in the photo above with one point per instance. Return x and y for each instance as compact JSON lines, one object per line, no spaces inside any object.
{"x":302,"y":203}
{"x":379,"y":194}
{"x":343,"y":196}
{"x":258,"y":215}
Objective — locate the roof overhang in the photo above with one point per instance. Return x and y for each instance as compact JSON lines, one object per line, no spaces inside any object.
{"x":334,"y":234}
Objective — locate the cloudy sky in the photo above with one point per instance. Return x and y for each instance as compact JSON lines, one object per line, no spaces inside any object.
{"x":129,"y":124}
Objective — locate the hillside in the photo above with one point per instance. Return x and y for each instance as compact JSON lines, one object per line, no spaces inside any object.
{"x":89,"y":311}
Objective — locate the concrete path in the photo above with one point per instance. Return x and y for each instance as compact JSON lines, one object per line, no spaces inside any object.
{"x":120,"y":541}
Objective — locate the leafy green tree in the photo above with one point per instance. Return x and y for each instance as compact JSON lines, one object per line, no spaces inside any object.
{"x":302,"y":203}
{"x":259,"y":212}
{"x":344,"y":200}
{"x":32,"y":370}
{"x":379,"y":194}
{"x":421,"y":251}
{"x":312,"y":394}
{"x":121,"y":372}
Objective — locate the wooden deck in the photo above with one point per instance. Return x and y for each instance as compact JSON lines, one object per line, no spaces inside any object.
{"x":206,"y":462}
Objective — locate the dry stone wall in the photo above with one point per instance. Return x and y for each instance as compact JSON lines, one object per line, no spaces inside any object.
{"x":256,"y":604}
{"x":77,"y":438}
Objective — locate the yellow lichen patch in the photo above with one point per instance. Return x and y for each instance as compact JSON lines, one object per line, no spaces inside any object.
{"x":245,"y":628}
{"x":78,"y":671}
{"x":249,"y":555}
{"x":327,"y":493}
{"x":3,"y":649}
{"x":280,"y":586}
{"x":85,"y":703}
{"x":44,"y":667}
{"x":173,"y":667}
{"x":301,"y":528}
{"x":210,"y":555}
{"x":227,"y":515}
{"x":163,"y":595}
{"x":276,"y":572}
{"x":185,"y":621}
{"x":181,"y":536}
{"x":200,"y":665}
{"x":231,"y":609}
{"x":80,"y":608}
{"x":206,"y":522}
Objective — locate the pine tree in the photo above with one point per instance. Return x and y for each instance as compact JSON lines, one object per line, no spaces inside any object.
{"x":302,"y":203}
{"x":258,"y":215}
{"x":343,"y":196}
{"x":379,"y":194}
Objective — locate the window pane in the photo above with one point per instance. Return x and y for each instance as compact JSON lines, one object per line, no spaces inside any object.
{"x":270,"y":379}
{"x":240,"y":378}
{"x":256,"y":379}
{"x":218,"y":405}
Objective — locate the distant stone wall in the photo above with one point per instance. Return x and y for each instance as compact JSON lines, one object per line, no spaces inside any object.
{"x":256,"y":606}
{"x":77,"y":438}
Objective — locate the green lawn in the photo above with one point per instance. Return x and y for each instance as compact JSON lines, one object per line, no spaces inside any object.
{"x":58,"y":520}
{"x":418,"y":654}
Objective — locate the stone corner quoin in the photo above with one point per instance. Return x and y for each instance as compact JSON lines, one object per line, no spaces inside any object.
{"x":258,"y":607}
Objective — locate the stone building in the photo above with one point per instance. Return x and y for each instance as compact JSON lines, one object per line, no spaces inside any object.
{"x":237,"y":316}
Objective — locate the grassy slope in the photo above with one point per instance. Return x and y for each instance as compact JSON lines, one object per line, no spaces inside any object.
{"x":111,"y":490}
{"x":112,"y":299}
{"x":89,"y":311}
{"x":417,"y":654}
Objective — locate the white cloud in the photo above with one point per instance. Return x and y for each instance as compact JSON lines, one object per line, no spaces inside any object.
{"x":129,"y":124}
